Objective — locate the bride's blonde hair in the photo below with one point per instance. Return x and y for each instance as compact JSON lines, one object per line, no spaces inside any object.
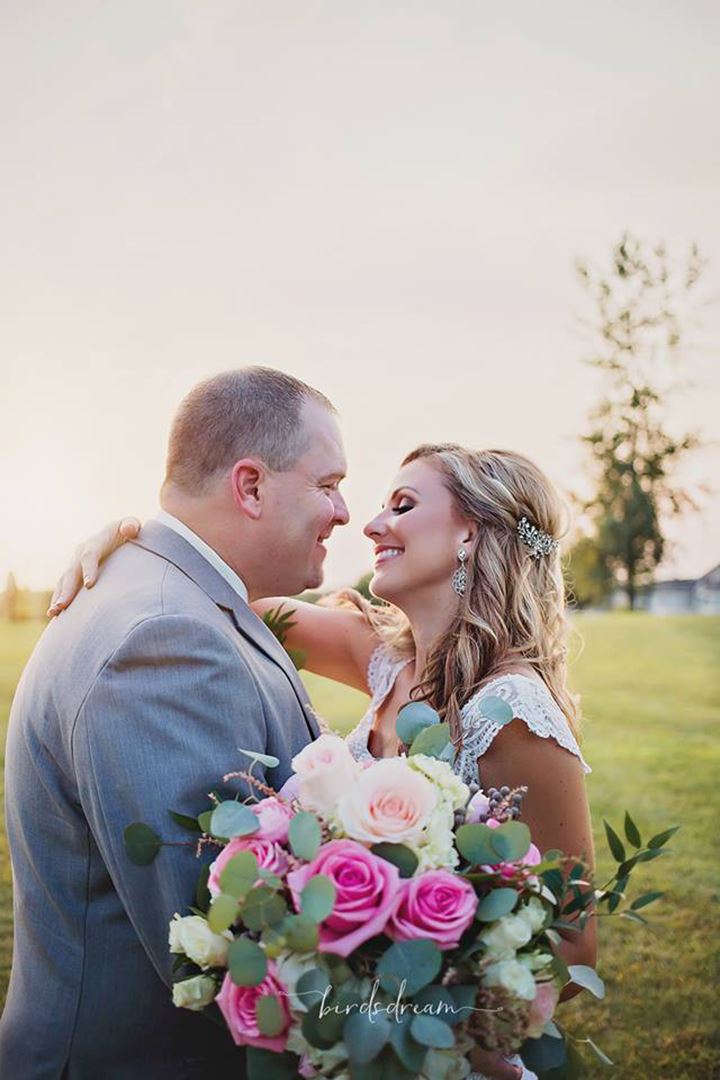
{"x":513,"y":609}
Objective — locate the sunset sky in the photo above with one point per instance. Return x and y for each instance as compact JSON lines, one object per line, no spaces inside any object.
{"x":386,"y":199}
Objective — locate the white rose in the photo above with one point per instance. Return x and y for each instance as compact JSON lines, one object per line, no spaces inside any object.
{"x":443,"y":777}
{"x":535,"y":961}
{"x":534,"y":914}
{"x":192,"y":935}
{"x":194,"y":994}
{"x":325,"y":770}
{"x":512,"y":976}
{"x":507,"y":936}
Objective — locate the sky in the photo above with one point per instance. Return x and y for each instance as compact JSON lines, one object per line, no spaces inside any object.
{"x":386,"y":199}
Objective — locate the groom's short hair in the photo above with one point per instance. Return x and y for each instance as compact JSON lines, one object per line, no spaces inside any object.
{"x":251,"y":412}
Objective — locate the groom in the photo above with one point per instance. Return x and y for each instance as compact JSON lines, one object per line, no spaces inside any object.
{"x":135,"y":702}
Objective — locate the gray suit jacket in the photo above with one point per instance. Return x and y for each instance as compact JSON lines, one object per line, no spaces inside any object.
{"x":133,"y":703}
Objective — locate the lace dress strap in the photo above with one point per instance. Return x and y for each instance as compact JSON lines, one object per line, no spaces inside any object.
{"x":531,"y":702}
{"x":382,"y":672}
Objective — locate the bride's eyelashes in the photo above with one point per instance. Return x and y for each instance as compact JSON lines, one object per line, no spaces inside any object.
{"x":403,"y":508}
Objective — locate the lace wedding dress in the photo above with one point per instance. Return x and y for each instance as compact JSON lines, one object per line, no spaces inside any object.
{"x":531,"y":702}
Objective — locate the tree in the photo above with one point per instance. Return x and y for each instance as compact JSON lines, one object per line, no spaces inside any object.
{"x":640,"y":309}
{"x":587,"y":575}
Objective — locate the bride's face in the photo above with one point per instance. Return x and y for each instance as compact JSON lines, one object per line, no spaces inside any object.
{"x":416,"y":537}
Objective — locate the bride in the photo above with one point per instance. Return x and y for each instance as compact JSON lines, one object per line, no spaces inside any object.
{"x":466,"y":557}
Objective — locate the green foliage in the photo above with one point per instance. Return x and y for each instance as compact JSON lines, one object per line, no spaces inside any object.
{"x":247,"y":962}
{"x":141,"y":843}
{"x":433,"y":741}
{"x":588,"y":577}
{"x":270,"y":1015}
{"x":632,"y":454}
{"x":279,"y":621}
{"x":231,"y":819}
{"x":497,"y":903}
{"x":318,"y":898}
{"x":304,"y":834}
{"x":365,"y":1036}
{"x":399,"y":855}
{"x":412,"y":719}
{"x":496,"y":709}
{"x":239,"y":874}
{"x":267,"y":1065}
{"x":414,"y":963}
{"x":223,"y":912}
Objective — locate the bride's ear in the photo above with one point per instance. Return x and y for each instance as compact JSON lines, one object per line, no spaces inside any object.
{"x":471,"y":531}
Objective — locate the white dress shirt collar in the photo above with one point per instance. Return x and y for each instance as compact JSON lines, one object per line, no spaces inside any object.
{"x":208,"y":553}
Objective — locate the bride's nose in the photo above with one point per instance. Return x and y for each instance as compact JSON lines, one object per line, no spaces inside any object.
{"x":376,"y":527}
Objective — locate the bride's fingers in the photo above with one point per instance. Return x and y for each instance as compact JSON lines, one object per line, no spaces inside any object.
{"x":67,"y":587}
{"x":129,"y":528}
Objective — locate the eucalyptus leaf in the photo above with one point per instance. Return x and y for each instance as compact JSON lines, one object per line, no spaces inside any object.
{"x":399,"y":855}
{"x":588,"y":978}
{"x":268,"y":1065}
{"x":247,"y":962}
{"x":474,"y":842}
{"x":318,"y":898}
{"x":496,"y":709}
{"x":141,"y":843}
{"x":203,"y":821}
{"x":271,"y":1019}
{"x":598,"y":1052}
{"x":223,"y":912}
{"x":232,"y":819}
{"x":437,"y":1001}
{"x":544,"y":1053}
{"x":411,"y":1054}
{"x":239,"y":874}
{"x":301,"y":933}
{"x":414,"y":718}
{"x":268,"y":760}
{"x":202,"y":893}
{"x":365,"y":1036}
{"x":432,"y":741}
{"x":432,"y":1031}
{"x":312,"y":1029}
{"x":263,"y":907}
{"x":185,"y":821}
{"x":311,"y":986}
{"x":511,"y":841}
{"x":412,"y":963}
{"x":497,"y":903}
{"x":304,"y":835}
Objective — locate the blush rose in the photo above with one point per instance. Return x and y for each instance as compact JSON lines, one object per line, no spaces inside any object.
{"x":270,"y":856}
{"x":238,"y":1004}
{"x":437,"y":905}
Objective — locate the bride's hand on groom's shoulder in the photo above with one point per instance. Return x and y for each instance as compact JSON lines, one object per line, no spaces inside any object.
{"x":84,"y":565}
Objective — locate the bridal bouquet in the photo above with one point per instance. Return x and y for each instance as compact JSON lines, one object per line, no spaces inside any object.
{"x":383,"y":920}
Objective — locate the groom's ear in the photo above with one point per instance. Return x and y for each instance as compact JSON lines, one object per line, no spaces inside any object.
{"x":247,"y":480}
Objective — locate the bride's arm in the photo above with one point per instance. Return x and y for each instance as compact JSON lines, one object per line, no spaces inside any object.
{"x":555,"y":809}
{"x":337,"y":642}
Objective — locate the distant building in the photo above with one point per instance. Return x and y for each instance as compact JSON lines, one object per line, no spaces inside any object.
{"x":680,"y":596}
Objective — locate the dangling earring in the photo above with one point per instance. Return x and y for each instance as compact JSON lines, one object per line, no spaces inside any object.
{"x":459,"y":578}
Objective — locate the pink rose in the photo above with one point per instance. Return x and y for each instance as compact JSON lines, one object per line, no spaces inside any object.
{"x":275,"y":817}
{"x":238,"y":1005}
{"x":532,"y":857}
{"x":366,"y":889}
{"x":270,"y":856}
{"x":388,"y":802}
{"x":436,"y":905}
{"x":542,"y":1008}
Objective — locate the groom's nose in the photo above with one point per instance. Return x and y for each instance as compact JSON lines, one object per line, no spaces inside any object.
{"x":342,"y":514}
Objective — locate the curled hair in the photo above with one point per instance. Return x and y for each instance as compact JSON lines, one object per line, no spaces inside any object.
{"x":513,"y":609}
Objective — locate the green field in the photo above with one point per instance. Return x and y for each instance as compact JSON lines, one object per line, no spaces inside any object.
{"x":651,"y":695}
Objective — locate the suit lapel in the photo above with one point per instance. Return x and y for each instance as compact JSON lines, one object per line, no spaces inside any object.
{"x":166,"y":543}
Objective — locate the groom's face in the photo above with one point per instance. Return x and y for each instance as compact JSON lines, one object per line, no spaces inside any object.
{"x":305,"y":504}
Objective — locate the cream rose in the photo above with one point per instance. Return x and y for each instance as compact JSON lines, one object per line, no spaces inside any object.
{"x":194,"y":994}
{"x":534,"y":914}
{"x":192,"y":935}
{"x":512,"y":976}
{"x":325,"y":769}
{"x":388,"y":802}
{"x":507,"y":936}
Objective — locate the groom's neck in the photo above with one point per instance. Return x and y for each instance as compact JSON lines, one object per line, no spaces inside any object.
{"x":211,"y":522}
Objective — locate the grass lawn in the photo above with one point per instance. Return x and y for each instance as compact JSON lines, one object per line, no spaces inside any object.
{"x":651,"y":695}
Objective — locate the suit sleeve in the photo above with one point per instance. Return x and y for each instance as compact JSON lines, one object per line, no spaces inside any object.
{"x":161,"y":725}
